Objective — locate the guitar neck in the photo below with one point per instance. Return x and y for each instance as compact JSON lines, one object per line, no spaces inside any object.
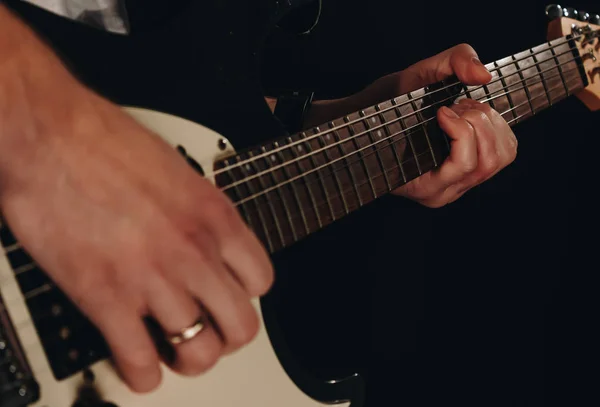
{"x":294,"y":186}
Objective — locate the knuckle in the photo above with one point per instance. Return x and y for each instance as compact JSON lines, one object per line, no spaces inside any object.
{"x":246,"y":331}
{"x":475,"y":116}
{"x":263,"y":282}
{"x":203,"y":358}
{"x":224,"y":214}
{"x":490,"y":163}
{"x":469,"y":165}
{"x":140,"y":359}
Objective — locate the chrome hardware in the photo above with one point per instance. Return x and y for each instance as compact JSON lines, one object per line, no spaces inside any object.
{"x":222,"y":144}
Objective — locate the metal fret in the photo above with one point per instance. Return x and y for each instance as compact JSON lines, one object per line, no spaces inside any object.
{"x":269,"y":201}
{"x":377,"y":150}
{"x":486,"y":90}
{"x":303,"y":178}
{"x":560,"y":71}
{"x":280,"y":194}
{"x":524,"y":86}
{"x":424,"y":127}
{"x":505,"y":87}
{"x":391,"y":143}
{"x":357,"y":147}
{"x":339,"y":141}
{"x":244,"y":170}
{"x":537,"y":65}
{"x":338,"y":183}
{"x":407,"y":135}
{"x":319,"y":176}
{"x":293,"y":186}
{"x":240,"y":195}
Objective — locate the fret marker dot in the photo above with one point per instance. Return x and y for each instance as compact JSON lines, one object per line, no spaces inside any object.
{"x":328,"y":136}
{"x":248,"y":167}
{"x":379,"y":134}
{"x":299,"y":148}
{"x":273,"y":158}
{"x":373,"y":120}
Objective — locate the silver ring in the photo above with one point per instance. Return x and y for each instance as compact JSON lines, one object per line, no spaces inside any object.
{"x":188,"y":333}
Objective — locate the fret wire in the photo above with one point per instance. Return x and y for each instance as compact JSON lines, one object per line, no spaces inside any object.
{"x":486,"y":91}
{"x":409,"y":138}
{"x":377,"y":154}
{"x":540,"y":74}
{"x":319,"y":175}
{"x":457,"y":83}
{"x":336,"y":177}
{"x":560,"y":71}
{"x":294,"y":191}
{"x":345,"y":158}
{"x":392,"y":145}
{"x":526,"y":88}
{"x":244,"y":209}
{"x":437,"y":103}
{"x":281,"y":197}
{"x":258,"y":210}
{"x":505,"y":87}
{"x":348,"y":166}
{"x":310,"y":193}
{"x":353,"y":136}
{"x":421,"y":118}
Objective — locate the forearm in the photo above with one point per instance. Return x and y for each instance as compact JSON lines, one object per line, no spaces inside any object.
{"x":36,"y":91}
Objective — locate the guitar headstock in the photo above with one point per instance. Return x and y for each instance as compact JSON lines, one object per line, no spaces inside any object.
{"x":585,"y":28}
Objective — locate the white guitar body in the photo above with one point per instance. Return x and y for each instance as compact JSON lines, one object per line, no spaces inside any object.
{"x":251,"y":377}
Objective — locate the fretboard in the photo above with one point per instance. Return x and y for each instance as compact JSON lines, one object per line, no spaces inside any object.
{"x":292,"y":187}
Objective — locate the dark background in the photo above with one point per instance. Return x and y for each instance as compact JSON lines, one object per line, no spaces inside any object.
{"x":490,"y":301}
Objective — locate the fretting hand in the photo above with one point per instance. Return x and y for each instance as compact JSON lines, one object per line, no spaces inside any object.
{"x":482,"y":143}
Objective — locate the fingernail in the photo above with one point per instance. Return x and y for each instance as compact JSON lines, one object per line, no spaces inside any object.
{"x":449,"y":112}
{"x":480,"y":64}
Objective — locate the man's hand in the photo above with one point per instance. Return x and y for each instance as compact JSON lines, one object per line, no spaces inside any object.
{"x":482,"y":142}
{"x":119,"y":220}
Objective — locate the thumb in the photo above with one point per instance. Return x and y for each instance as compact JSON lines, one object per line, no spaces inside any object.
{"x":461,"y":60}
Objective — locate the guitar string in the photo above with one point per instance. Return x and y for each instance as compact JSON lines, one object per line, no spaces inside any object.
{"x":354,"y":136}
{"x":51,"y":285}
{"x":420,"y":124}
{"x":414,"y":99}
{"x":541,"y":79}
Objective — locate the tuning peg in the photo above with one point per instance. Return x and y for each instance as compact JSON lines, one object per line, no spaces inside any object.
{"x":583,"y":16}
{"x":570,"y":12}
{"x":554,"y":11}
{"x":595,"y":19}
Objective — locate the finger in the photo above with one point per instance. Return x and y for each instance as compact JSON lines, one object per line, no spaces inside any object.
{"x":503,"y":137}
{"x":245,"y":257}
{"x":488,"y":153}
{"x":241,"y":250}
{"x":133,"y":350}
{"x":201,"y":270}
{"x":461,"y":60}
{"x":175,"y":309}
{"x":463,"y":156}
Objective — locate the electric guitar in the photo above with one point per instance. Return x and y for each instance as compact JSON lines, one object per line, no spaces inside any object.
{"x":285,"y":189}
